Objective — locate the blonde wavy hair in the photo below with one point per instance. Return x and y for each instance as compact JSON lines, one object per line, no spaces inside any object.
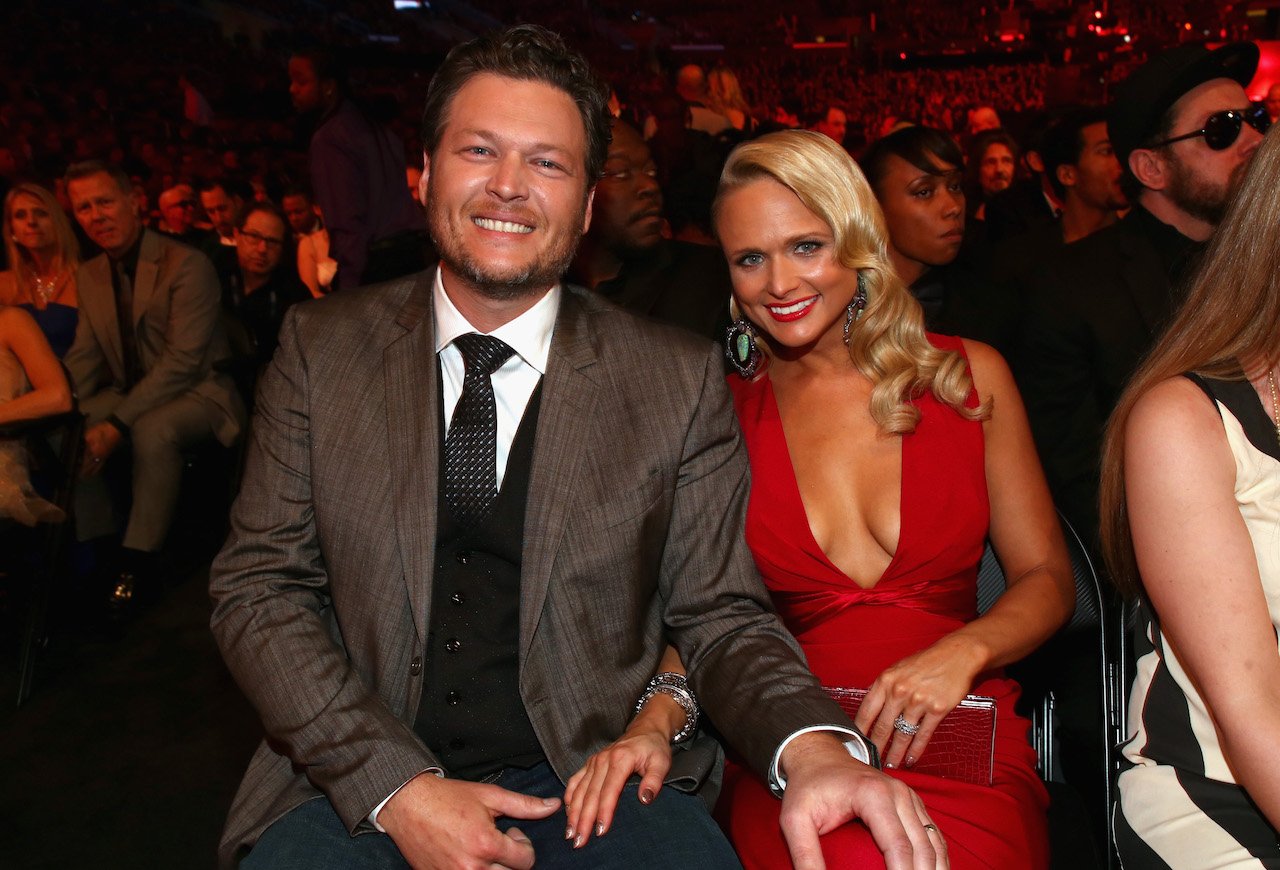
{"x":724,"y":92}
{"x":67,"y":258}
{"x":888,"y":346}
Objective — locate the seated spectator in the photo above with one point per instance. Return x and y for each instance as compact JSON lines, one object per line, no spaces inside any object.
{"x":624,"y":257}
{"x":982,"y":118}
{"x":178,"y":218}
{"x":302,"y":212}
{"x":31,"y":385}
{"x":315,"y":267}
{"x":833,"y":124}
{"x":990,"y":168}
{"x":43,"y":257}
{"x":143,"y":366}
{"x":724,"y":95}
{"x":691,"y":85}
{"x":221,"y":206}
{"x":1190,"y":497}
{"x":264,"y":283}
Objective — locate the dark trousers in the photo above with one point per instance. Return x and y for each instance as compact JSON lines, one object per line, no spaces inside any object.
{"x":674,"y":831}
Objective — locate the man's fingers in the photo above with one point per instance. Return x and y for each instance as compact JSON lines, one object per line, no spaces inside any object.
{"x":802,"y":842}
{"x":502,"y":802}
{"x":515,"y":850}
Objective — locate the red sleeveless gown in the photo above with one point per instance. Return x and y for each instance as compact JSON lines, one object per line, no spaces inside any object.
{"x":850,"y":634}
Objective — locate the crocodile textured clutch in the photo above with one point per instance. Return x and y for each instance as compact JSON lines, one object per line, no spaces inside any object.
{"x":963,"y":745}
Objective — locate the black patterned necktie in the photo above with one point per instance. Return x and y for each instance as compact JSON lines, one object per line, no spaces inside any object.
{"x":471,"y":447}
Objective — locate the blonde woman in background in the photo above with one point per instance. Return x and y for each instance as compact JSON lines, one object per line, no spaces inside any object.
{"x":43,"y":258}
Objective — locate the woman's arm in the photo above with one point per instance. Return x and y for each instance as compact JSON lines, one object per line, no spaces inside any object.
{"x":645,"y":748}
{"x":1040,"y":593}
{"x":1200,"y":571}
{"x":49,"y":392}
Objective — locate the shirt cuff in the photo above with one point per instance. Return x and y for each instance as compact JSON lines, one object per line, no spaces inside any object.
{"x":855,"y":743}
{"x":373,"y":816}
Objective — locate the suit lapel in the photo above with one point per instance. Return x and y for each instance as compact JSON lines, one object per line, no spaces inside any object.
{"x":409,"y":366}
{"x":101,"y":310}
{"x":568,"y":399}
{"x":144,"y":279}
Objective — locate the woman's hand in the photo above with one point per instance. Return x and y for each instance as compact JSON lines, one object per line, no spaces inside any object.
{"x":645,"y":748}
{"x":922,"y":688}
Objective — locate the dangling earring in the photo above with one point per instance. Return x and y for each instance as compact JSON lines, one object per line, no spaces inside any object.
{"x":853,"y":313}
{"x":740,"y":348}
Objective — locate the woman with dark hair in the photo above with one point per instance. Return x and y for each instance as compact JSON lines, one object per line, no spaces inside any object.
{"x":43,"y":258}
{"x":376,"y":230}
{"x":882,"y":458}
{"x":917,"y":176}
{"x":1190,"y":501}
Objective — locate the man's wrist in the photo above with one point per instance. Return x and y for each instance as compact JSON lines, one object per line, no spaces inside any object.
{"x":853,"y":741}
{"x":373,"y":816}
{"x":118,"y":424}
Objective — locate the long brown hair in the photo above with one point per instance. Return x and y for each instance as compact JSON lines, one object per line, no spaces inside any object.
{"x":889,"y":347}
{"x":1228,"y":328}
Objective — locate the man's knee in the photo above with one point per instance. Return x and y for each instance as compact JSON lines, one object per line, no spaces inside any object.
{"x":167,"y":430}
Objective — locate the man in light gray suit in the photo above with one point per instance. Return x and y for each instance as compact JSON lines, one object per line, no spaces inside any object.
{"x":142,"y":361}
{"x":429,"y":672}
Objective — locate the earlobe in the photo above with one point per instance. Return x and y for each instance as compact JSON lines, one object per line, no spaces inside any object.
{"x":1066,"y":175}
{"x":422,"y":180}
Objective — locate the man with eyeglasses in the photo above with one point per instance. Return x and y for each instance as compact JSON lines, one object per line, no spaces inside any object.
{"x":263,"y":285}
{"x":1183,"y":131}
{"x":625,"y":258}
{"x":178,"y":217}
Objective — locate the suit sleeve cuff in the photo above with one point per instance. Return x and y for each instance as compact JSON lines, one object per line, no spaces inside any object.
{"x":373,"y":816}
{"x":857,"y":745}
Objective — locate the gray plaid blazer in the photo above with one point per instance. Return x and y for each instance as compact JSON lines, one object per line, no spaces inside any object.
{"x":633,"y":536}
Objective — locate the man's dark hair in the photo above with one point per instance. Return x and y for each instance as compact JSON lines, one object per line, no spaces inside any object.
{"x":328,"y":67}
{"x":1129,"y":182}
{"x":85,"y":168}
{"x":1064,"y":142}
{"x":923,"y":147}
{"x":525,"y":53}
{"x":254,"y":206}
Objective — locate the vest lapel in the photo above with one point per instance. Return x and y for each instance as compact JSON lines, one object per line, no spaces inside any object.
{"x":413,"y":444}
{"x":568,"y":398}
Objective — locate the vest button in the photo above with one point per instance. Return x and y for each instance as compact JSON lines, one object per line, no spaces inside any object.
{"x":462,"y":557}
{"x":415,"y":666}
{"x":457,"y":744}
{"x":458,"y":598}
{"x":453,"y":645}
{"x":453,"y":699}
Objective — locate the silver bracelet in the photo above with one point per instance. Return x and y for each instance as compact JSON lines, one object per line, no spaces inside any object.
{"x":677,"y":688}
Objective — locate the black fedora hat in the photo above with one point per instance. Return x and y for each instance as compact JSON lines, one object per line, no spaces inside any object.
{"x":1143,"y":98}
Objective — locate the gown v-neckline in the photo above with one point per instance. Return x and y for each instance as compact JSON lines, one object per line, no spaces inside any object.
{"x":793,"y":486}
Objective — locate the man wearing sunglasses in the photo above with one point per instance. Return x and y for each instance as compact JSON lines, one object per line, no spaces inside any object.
{"x":1183,"y":131}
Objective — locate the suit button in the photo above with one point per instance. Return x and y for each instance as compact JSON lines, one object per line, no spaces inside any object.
{"x":453,"y":699}
{"x":453,"y":644}
{"x":415,"y":666}
{"x":458,"y":598}
{"x":462,"y":557}
{"x":457,"y":744}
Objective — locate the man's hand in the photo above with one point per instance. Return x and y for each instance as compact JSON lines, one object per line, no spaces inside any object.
{"x":438,"y":823}
{"x":100,"y":441}
{"x":826,"y":787}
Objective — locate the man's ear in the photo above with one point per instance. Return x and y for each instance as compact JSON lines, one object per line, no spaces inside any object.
{"x":586,"y":218}
{"x":1150,"y":168}
{"x":1066,"y":175}
{"x":422,"y":181}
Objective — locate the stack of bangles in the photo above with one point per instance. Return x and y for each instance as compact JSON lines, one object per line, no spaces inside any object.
{"x":677,"y":687}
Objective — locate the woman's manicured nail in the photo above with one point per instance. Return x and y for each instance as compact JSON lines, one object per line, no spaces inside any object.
{"x":646,"y":796}
{"x":568,"y":833}
{"x":599,"y":829}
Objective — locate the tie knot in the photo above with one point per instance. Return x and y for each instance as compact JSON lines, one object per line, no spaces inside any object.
{"x":483,"y":354}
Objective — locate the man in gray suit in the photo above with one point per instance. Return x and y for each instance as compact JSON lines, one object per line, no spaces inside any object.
{"x":429,"y":672}
{"x":142,"y":362}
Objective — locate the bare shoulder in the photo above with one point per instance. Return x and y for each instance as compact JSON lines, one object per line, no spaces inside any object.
{"x":991,"y":375}
{"x":1176,"y":422}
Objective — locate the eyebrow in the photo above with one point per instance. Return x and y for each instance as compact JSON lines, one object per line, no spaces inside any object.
{"x":533,"y":147}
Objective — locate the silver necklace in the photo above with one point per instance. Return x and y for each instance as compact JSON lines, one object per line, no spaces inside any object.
{"x":46,"y":288}
{"x":1275,"y":400}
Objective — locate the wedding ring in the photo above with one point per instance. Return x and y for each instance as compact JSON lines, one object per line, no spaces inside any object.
{"x":902,"y":726}
{"x":933,"y":827}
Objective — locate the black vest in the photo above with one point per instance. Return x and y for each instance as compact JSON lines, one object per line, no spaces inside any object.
{"x":471,"y":715}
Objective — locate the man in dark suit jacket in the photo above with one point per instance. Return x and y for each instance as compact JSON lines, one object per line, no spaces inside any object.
{"x":142,"y":362}
{"x":1102,"y":301}
{"x":422,"y":673}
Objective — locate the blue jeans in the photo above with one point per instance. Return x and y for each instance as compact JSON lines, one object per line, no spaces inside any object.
{"x":674,"y":831}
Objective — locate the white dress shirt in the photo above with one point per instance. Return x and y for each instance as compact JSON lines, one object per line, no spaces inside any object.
{"x":529,"y":335}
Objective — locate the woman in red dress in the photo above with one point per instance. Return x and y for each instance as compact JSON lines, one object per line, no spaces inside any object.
{"x":882,"y":457}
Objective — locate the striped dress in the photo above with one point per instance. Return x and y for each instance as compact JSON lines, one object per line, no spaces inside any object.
{"x":1179,"y":803}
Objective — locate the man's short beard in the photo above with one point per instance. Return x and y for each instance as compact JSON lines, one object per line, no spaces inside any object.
{"x":1197,"y":197}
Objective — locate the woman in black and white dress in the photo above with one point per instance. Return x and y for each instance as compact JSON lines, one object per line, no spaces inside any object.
{"x":1191,"y":508}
